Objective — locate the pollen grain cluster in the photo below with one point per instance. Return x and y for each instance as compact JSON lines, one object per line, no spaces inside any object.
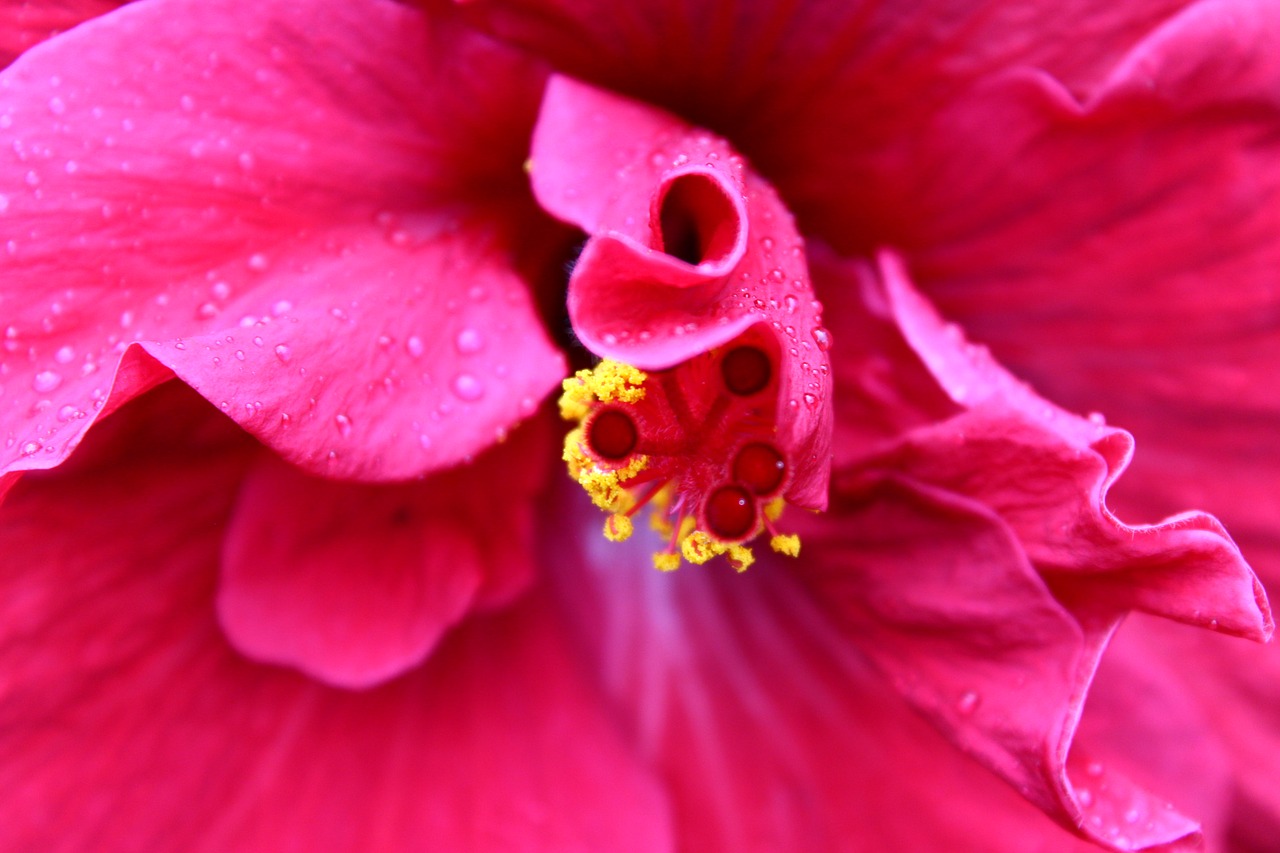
{"x":695,"y":443}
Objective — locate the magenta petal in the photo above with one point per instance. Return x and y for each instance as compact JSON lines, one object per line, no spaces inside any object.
{"x":24,"y":23}
{"x":289,"y":221}
{"x":128,"y":723}
{"x":1045,"y":471}
{"x":356,"y":584}
{"x":687,"y":249}
{"x":937,"y":592}
{"x":772,"y":730}
{"x":1126,"y":265}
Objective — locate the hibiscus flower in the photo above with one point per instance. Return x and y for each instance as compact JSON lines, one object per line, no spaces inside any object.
{"x":290,"y":557}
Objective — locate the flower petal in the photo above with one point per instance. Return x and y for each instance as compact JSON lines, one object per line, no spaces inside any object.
{"x":936,"y":590}
{"x":281,"y":205}
{"x":1046,"y":472}
{"x":827,"y":99}
{"x":688,"y":249}
{"x":1126,"y":263}
{"x":127,"y":722}
{"x":24,"y":24}
{"x":771,"y":729}
{"x":356,"y":584}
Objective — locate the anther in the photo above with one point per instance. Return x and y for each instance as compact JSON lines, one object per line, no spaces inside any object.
{"x":746,"y":370}
{"x":761,"y":468}
{"x":612,"y":435}
{"x":730,"y":513}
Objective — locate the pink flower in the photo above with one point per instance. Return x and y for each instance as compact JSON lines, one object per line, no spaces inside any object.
{"x":363,"y":608}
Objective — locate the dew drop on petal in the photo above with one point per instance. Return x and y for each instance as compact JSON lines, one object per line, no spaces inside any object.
{"x":283,"y":353}
{"x":968,"y":703}
{"x":344,"y":425}
{"x":467,"y":387}
{"x":468,"y":341}
{"x":414,"y":346}
{"x":822,"y":338}
{"x":64,"y":355}
{"x":46,"y":381}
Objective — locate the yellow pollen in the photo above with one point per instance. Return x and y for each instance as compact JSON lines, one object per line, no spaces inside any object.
{"x":773,"y":509}
{"x":617,"y":528}
{"x":787,"y":544}
{"x":698,"y":547}
{"x":665,"y":562}
{"x":740,"y":557}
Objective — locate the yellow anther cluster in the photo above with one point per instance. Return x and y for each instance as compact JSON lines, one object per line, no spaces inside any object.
{"x":699,"y":547}
{"x":618,"y":527}
{"x":787,"y":544}
{"x":607,"y":382}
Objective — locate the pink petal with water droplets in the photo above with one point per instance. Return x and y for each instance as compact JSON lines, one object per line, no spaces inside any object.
{"x":688,"y":248}
{"x":355,"y":584}
{"x":291,"y":192}
{"x":24,"y":23}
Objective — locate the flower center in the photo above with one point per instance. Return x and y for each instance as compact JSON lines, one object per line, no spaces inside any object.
{"x":696,"y":443}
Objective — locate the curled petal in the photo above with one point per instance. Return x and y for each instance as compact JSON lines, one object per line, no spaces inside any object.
{"x":688,"y":248}
{"x":273,"y":203}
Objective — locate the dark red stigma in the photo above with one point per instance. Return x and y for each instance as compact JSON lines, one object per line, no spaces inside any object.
{"x":761,"y":468}
{"x":746,"y":370}
{"x":730,"y":513}
{"x":612,"y":435}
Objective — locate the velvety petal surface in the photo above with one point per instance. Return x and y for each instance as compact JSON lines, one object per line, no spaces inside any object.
{"x":688,"y":248}
{"x":775,"y":734}
{"x":306,"y":213}
{"x":1126,"y":263}
{"x":1010,"y":490}
{"x":24,"y":23}
{"x":825,"y":98}
{"x":355,"y":584}
{"x":127,"y":722}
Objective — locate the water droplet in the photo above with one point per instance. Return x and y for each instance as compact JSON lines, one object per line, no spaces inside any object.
{"x":239,"y":355}
{"x":1085,"y":796}
{"x":968,"y":703}
{"x":246,"y":161}
{"x":284,"y":306}
{"x":414,"y":346}
{"x":344,"y":425}
{"x":1132,"y":814}
{"x":469,"y":341}
{"x":283,"y":353}
{"x":766,"y":243}
{"x":64,"y":355}
{"x":467,"y":387}
{"x":1094,"y":768}
{"x":46,"y":381}
{"x":220,"y":290}
{"x":257,"y":262}
{"x":792,"y":302}
{"x":68,"y":413}
{"x":777,"y":274}
{"x":31,"y":448}
{"x":1097,"y":419}
{"x":57,"y":106}
{"x":207,"y":310}
{"x":822,"y":338}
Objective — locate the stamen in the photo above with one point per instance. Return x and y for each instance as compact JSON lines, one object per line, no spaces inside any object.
{"x":701,"y":452}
